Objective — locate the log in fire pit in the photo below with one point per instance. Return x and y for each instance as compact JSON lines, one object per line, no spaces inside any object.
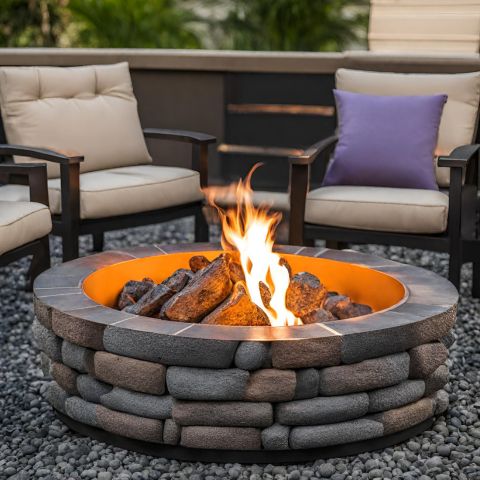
{"x":245,"y":393}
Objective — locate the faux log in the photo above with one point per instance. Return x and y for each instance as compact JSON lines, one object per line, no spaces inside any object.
{"x":237,"y":310}
{"x":342,"y":307}
{"x":210,"y":287}
{"x":318,"y":316}
{"x":151,"y":303}
{"x":198,"y":262}
{"x":305,"y":294}
{"x":133,"y":290}
{"x":236,"y":272}
{"x":178,"y":279}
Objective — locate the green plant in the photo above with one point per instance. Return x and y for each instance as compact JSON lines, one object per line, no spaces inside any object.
{"x":31,"y":23}
{"x":133,"y":23}
{"x":301,"y":25}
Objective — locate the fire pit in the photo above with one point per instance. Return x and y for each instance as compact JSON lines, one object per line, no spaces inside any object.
{"x":198,"y":391}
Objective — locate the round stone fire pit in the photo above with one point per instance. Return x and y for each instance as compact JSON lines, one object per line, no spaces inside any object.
{"x":247,"y":394}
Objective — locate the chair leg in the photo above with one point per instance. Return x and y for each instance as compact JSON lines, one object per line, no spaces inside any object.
{"x":476,"y":279}
{"x":40,"y":261}
{"x":202,"y":231}
{"x":454,"y":268}
{"x":98,"y":241}
{"x":336,"y":245}
{"x":70,"y":245}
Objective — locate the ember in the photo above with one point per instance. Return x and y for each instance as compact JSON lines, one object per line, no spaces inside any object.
{"x":247,"y":285}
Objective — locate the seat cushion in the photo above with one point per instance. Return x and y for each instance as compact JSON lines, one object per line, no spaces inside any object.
{"x":90,"y":110}
{"x":378,"y":208}
{"x":459,"y":120}
{"x":21,"y":223}
{"x":126,"y":190}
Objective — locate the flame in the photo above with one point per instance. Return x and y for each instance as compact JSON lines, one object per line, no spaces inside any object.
{"x":250,"y":230}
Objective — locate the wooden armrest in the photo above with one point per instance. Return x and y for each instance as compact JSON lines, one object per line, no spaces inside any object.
{"x":41,"y":154}
{"x":311,"y":153}
{"x":37,"y":178}
{"x":179,"y":135}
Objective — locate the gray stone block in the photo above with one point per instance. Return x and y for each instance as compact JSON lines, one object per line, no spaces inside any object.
{"x":81,"y":411}
{"x":275,"y":437}
{"x":425,"y":359}
{"x":334,"y":434}
{"x":271,"y":385}
{"x":307,"y":383}
{"x":56,"y":396}
{"x":171,"y":432}
{"x":252,"y":355}
{"x":77,"y":357}
{"x":322,"y":410}
{"x":396,"y":395}
{"x":441,"y":401}
{"x":222,"y":438}
{"x":136,"y":403}
{"x":223,"y":414}
{"x":91,"y":389}
{"x":377,"y":343}
{"x":187,"y":383}
{"x":437,"y":380}
{"x":363,"y":376}
{"x":47,"y":341}
{"x":170,"y":349}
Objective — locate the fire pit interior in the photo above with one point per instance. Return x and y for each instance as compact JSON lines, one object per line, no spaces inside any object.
{"x":246,"y":393}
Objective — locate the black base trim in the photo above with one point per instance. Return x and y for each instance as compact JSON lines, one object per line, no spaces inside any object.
{"x":247,"y":456}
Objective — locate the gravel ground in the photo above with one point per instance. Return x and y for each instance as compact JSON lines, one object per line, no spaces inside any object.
{"x":35,"y":445}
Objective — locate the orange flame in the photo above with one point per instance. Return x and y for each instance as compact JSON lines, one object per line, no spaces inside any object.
{"x":251,"y":231}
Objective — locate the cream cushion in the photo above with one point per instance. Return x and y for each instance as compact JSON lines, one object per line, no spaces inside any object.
{"x":89,"y":110}
{"x":445,"y":26}
{"x":122,"y":191}
{"x":21,"y":223}
{"x":378,"y":208}
{"x":459,"y":119}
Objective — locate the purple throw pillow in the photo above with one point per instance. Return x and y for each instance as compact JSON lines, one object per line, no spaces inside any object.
{"x":386,"y":141}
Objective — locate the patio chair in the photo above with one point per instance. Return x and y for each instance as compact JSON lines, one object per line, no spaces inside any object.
{"x":24,"y":226}
{"x":51,"y":113}
{"x":443,"y":220}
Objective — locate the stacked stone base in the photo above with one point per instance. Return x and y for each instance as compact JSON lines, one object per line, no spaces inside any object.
{"x":262,"y":398}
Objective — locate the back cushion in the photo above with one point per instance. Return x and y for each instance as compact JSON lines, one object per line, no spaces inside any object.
{"x":459,"y":119}
{"x":89,"y":110}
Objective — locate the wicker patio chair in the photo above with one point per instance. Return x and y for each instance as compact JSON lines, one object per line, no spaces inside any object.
{"x":51,"y":113}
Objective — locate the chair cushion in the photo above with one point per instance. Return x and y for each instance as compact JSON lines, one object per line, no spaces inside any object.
{"x":90,"y":110}
{"x":378,"y":208}
{"x":459,"y":120}
{"x":21,"y":223}
{"x":125,"y":190}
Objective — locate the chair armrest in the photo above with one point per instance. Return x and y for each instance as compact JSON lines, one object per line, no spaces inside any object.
{"x":311,"y":153}
{"x":460,"y":157}
{"x":41,"y":154}
{"x":179,"y":135}
{"x":36,"y":174}
{"x":199,"y":141}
